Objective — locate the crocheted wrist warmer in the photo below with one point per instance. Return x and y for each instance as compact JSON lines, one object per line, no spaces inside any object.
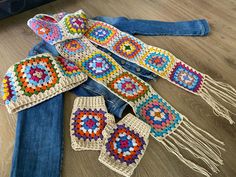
{"x":88,"y":119}
{"x":125,"y":145}
{"x":38,"y":78}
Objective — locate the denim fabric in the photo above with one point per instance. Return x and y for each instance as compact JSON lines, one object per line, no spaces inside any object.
{"x":156,"y":28}
{"x":39,"y":134}
{"x":38,"y":148}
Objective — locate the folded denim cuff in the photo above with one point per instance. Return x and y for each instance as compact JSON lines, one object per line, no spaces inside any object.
{"x":38,"y":78}
{"x":125,"y":145}
{"x":205,"y":30}
{"x":88,"y":119}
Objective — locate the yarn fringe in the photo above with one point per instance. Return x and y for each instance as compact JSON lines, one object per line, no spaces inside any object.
{"x":197,"y":142}
{"x":212,"y":91}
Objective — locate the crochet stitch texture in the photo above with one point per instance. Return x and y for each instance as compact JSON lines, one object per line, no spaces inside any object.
{"x":125,"y":145}
{"x":88,"y":120}
{"x":38,"y":78}
{"x":164,"y":64}
{"x":169,"y":127}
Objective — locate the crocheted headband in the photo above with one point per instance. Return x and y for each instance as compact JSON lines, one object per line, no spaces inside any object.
{"x":38,"y":78}
{"x":125,"y":144}
{"x":168,"y":126}
{"x":88,"y":119}
{"x":154,"y":59}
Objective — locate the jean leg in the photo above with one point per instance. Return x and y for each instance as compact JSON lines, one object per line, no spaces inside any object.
{"x":39,"y":135}
{"x":199,"y":27}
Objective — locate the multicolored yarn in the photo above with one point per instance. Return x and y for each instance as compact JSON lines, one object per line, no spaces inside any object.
{"x":126,"y":47}
{"x":128,"y":87}
{"x":168,"y":126}
{"x":73,"y":46}
{"x":88,"y":120}
{"x":125,"y":145}
{"x":104,"y":69}
{"x":75,"y":24}
{"x":160,"y":115}
{"x":88,"y":123}
{"x":164,"y":120}
{"x":166,"y":65}
{"x":97,"y":65}
{"x":38,"y":78}
{"x":103,"y":35}
{"x":58,"y":28}
{"x":9,"y":90}
{"x":49,"y":31}
{"x":157,"y":60}
{"x":186,"y":77}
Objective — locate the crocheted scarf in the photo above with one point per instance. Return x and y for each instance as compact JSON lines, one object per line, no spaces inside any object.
{"x":73,"y":35}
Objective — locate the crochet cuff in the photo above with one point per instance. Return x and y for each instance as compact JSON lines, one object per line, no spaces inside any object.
{"x":125,"y":145}
{"x":38,"y":78}
{"x":88,"y":119}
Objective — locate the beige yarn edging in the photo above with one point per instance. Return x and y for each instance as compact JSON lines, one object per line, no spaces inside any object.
{"x":139,"y":127}
{"x":96,"y":102}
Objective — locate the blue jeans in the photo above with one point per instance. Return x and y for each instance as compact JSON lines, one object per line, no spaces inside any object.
{"x":39,"y":133}
{"x":156,"y":28}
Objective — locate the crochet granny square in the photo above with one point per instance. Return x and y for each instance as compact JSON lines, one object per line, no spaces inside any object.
{"x":88,"y":120}
{"x":38,"y":78}
{"x":125,"y":145}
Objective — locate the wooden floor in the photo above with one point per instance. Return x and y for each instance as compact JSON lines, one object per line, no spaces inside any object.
{"x":214,"y":55}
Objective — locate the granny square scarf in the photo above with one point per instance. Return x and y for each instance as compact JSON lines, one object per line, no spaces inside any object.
{"x":73,"y":36}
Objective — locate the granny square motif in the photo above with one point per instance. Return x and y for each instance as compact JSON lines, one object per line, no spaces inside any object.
{"x":125,"y":144}
{"x":128,"y":87}
{"x":74,"y":24}
{"x":101,"y":33}
{"x":36,"y":75}
{"x":158,"y":60}
{"x":88,"y":120}
{"x":157,"y":113}
{"x":186,"y":77}
{"x":98,"y":65}
{"x":88,"y":124}
{"x":127,"y":47}
{"x":38,"y":78}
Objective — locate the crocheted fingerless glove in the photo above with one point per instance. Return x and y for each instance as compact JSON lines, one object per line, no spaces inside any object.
{"x":38,"y":78}
{"x":88,"y":120}
{"x":125,"y":144}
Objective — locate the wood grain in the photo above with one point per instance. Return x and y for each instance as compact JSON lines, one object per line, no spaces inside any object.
{"x":213,"y":55}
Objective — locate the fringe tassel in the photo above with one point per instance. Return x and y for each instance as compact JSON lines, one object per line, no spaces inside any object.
{"x":197,"y":142}
{"x":222,"y":91}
